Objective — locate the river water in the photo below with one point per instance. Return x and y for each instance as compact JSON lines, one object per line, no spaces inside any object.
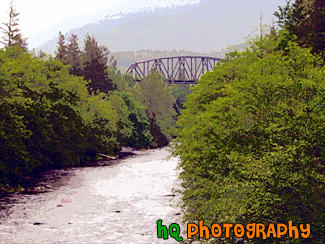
{"x":115,"y":203}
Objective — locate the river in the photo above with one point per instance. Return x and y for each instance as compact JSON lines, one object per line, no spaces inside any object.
{"x":116,"y":203}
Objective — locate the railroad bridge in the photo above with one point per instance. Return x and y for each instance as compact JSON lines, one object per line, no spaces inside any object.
{"x":184,"y":69}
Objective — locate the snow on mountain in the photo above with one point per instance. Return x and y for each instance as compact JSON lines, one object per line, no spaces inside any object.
{"x":200,"y":26}
{"x":115,"y":12}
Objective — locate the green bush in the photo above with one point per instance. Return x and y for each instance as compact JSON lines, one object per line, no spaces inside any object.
{"x":49,"y":120}
{"x":252,"y":141}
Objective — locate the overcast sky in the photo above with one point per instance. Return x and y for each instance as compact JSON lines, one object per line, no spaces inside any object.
{"x":37,"y":15}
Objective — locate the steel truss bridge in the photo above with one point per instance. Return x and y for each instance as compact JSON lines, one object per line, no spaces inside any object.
{"x":185,"y":69}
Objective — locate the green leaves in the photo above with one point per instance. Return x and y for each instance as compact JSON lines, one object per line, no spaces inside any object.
{"x":49,"y":120}
{"x":153,"y":92}
{"x":305,"y":22}
{"x":251,"y":140}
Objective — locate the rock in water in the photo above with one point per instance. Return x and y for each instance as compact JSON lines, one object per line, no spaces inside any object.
{"x":37,"y":223}
{"x":66,"y":200}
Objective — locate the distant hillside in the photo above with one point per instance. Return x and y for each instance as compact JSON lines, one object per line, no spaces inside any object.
{"x":210,"y":25}
{"x":104,"y":30}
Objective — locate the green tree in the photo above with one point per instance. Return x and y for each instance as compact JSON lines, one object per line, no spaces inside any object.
{"x":179,"y":91}
{"x":74,"y":56}
{"x":12,"y":36}
{"x":140,"y":136}
{"x":305,"y":19}
{"x":95,"y":66}
{"x":251,"y":141}
{"x":48,"y":118}
{"x":62,"y":51}
{"x":156,"y":96}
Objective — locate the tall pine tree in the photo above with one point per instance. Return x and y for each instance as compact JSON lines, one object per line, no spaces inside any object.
{"x":62,"y":52}
{"x":95,"y":66}
{"x":74,"y":56}
{"x":12,"y":36}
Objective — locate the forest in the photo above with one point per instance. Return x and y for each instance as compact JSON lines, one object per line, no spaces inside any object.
{"x":63,"y":111}
{"x":251,"y":138}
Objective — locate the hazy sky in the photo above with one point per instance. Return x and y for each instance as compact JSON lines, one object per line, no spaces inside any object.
{"x":37,"y":15}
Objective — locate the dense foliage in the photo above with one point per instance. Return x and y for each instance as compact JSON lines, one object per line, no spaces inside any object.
{"x":49,"y":120}
{"x":62,"y":112}
{"x":305,"y":22}
{"x":159,"y":100}
{"x":91,"y":63}
{"x":251,"y":140}
{"x":155,"y":94}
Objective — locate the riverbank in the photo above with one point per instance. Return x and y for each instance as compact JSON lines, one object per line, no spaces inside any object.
{"x":34,"y":183}
{"x":117,"y":203}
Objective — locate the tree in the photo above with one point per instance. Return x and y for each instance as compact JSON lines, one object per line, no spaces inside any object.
{"x":156,"y":96}
{"x":305,"y":19}
{"x":12,"y":36}
{"x":62,"y":52}
{"x":179,"y":91}
{"x":74,"y":55}
{"x":48,"y":119}
{"x":95,"y":60}
{"x":251,"y":142}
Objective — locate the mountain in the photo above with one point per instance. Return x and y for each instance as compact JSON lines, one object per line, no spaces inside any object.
{"x":126,"y":7}
{"x":204,"y":26}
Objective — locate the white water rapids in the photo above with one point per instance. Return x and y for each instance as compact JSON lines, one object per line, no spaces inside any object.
{"x":118,"y":203}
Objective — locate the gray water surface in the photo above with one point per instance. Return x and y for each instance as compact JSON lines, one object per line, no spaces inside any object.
{"x":119,"y":203}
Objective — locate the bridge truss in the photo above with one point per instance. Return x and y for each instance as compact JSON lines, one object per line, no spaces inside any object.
{"x":185,"y":69}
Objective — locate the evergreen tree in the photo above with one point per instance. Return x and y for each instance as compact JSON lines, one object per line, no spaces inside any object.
{"x":74,"y":56}
{"x":12,"y":36}
{"x":306,"y":20}
{"x":95,"y":66}
{"x":315,"y":26}
{"x":62,"y":52}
